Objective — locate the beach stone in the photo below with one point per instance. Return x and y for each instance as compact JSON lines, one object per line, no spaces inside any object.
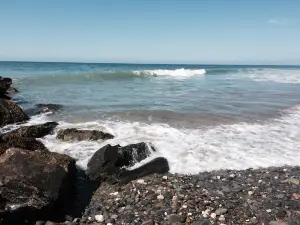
{"x":292,"y":181}
{"x":109,"y":160}
{"x":173,"y":218}
{"x":40,"y":222}
{"x":43,"y":179}
{"x":148,"y":222}
{"x":11,"y":113}
{"x":114,"y":216}
{"x":221,"y":211}
{"x":73,"y":134}
{"x":35,"y":131}
{"x":51,"y":223}
{"x":277,"y":223}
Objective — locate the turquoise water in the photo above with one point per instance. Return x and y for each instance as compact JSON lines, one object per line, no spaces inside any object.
{"x":206,"y":116}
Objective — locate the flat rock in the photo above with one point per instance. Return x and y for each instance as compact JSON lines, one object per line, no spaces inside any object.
{"x":73,"y":134}
{"x":11,"y":113}
{"x":33,"y":183}
{"x":35,"y":131}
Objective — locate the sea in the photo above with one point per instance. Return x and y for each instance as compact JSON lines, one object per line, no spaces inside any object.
{"x":199,"y":117}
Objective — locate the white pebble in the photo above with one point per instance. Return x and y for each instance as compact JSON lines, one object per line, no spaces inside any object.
{"x":109,"y":224}
{"x":166,"y":213}
{"x":218,"y":177}
{"x":114,"y":193}
{"x":189,"y":214}
{"x":165,"y":178}
{"x":213,"y":216}
{"x":160,"y":197}
{"x":250,"y":192}
{"x":232,"y":175}
{"x":184,"y":206}
{"x":89,"y":218}
{"x":269,"y":210}
{"x":260,"y":181}
{"x":99,"y":218}
{"x":222,"y":218}
{"x":276,"y":178}
{"x":141,"y":181}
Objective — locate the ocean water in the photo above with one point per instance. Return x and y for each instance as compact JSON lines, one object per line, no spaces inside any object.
{"x":200,"y":117}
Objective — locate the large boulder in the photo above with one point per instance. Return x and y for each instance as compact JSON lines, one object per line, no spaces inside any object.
{"x":34,"y":185}
{"x":31,"y":144}
{"x":6,"y":82}
{"x":73,"y":134}
{"x":11,"y":113}
{"x":108,"y":161}
{"x":35,"y":131}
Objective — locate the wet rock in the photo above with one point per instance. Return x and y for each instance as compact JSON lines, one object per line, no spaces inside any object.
{"x":43,"y":108}
{"x":33,"y":183}
{"x":73,"y":134}
{"x":35,"y":131}
{"x":11,"y":113}
{"x":12,"y":90}
{"x":109,"y":160}
{"x":157,"y":165}
{"x":30,"y":144}
{"x":40,"y":223}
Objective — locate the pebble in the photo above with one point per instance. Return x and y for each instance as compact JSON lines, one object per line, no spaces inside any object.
{"x":40,"y":223}
{"x":99,"y":218}
{"x":277,"y":223}
{"x":173,"y":218}
{"x":222,"y":218}
{"x":51,"y":223}
{"x":114,"y":216}
{"x":165,"y":178}
{"x":148,"y":222}
{"x":221,"y":211}
{"x":141,"y":181}
{"x":160,"y":197}
{"x":292,"y":181}
{"x":213,"y":216}
{"x":269,"y":210}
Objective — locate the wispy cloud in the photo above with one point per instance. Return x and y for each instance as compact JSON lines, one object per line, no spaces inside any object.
{"x":277,"y":21}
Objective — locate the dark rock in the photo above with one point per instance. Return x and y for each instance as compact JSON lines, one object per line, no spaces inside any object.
{"x":51,"y":223}
{"x":157,"y":165}
{"x":5,"y":82}
{"x":40,"y":223}
{"x":30,"y":144}
{"x":11,"y":113}
{"x":173,"y":218}
{"x":35,"y":131}
{"x":109,"y":160}
{"x":12,"y":90}
{"x":35,"y":185}
{"x":43,"y":108}
{"x":74,"y":134}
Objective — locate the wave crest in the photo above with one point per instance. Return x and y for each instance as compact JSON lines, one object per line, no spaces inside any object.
{"x":176,"y":73}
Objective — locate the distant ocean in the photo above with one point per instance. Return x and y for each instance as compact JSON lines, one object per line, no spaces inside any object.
{"x":200,"y":117}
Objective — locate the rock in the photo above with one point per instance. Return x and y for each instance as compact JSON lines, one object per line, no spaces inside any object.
{"x":157,"y":165}
{"x":40,"y":222}
{"x":73,"y":134}
{"x":51,"y":223}
{"x":99,"y":218}
{"x":109,"y":160}
{"x":221,"y":211}
{"x":173,"y":218}
{"x":292,"y":181}
{"x":148,"y":222}
{"x":43,"y":108}
{"x":12,"y":90}
{"x":30,"y":144}
{"x":11,"y":113}
{"x":33,"y":184}
{"x":114,"y":216}
{"x":277,"y":223}
{"x":35,"y":131}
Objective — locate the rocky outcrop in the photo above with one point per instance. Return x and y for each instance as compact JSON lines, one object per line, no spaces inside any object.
{"x":12,"y":90}
{"x":11,"y":113}
{"x":34,"y":185}
{"x":31,"y":144}
{"x":108,"y":161}
{"x":35,"y":131}
{"x":74,"y":134}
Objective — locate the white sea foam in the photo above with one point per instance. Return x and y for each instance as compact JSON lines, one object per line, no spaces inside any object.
{"x":291,"y":76}
{"x":188,"y":151}
{"x":175,"y":73}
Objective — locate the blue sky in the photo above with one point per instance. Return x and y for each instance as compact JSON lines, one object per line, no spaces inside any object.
{"x":160,"y":31}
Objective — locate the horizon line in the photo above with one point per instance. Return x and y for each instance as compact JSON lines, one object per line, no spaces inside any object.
{"x":154,"y":63}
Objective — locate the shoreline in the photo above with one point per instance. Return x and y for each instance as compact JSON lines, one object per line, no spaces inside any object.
{"x":253,"y":196}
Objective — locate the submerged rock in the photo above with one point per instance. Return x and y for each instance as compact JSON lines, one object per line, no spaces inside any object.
{"x":30,"y":144}
{"x":109,"y":160}
{"x":33,"y":183}
{"x":12,"y":90}
{"x":35,"y":131}
{"x":43,"y":108}
{"x":73,"y":134}
{"x":11,"y":113}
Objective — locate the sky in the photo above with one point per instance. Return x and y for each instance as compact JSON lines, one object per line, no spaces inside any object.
{"x":151,"y":31}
